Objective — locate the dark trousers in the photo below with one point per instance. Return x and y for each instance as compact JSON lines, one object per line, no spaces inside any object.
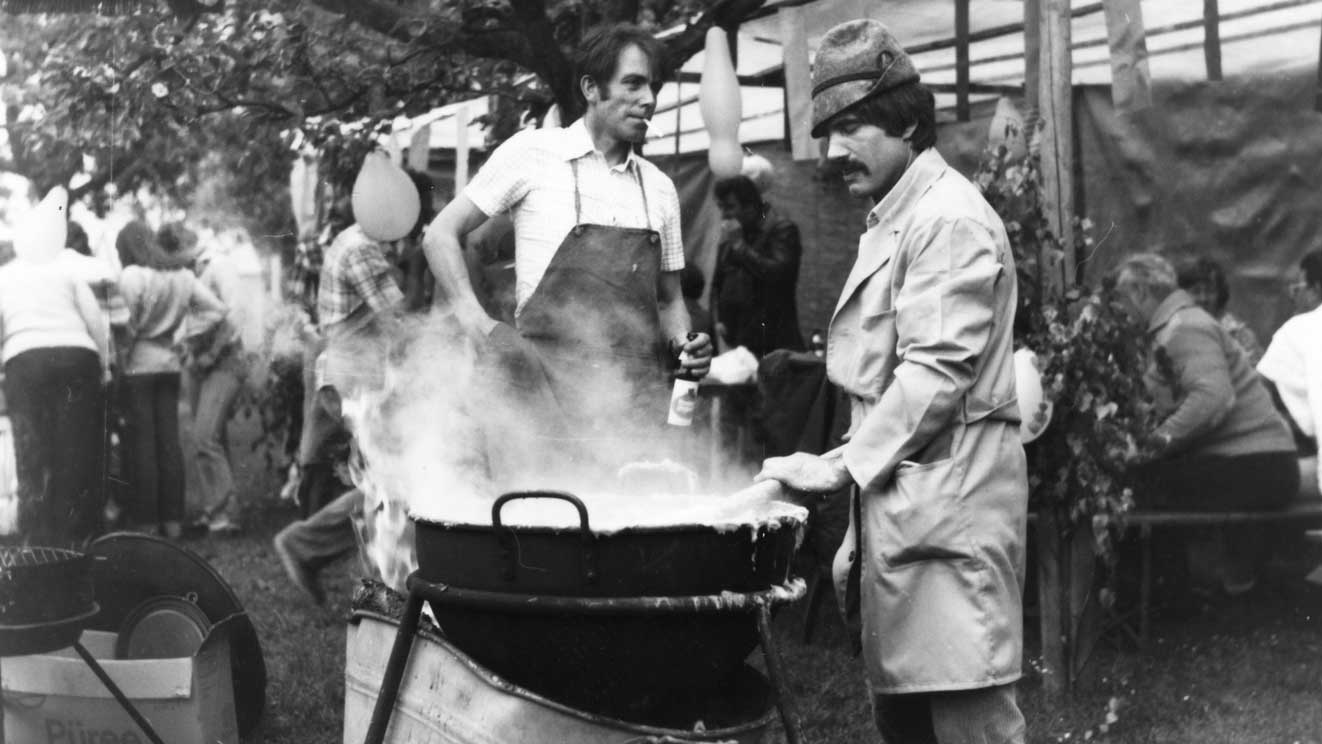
{"x":1256,"y":482}
{"x":327,"y":534}
{"x":155,"y":492}
{"x":57,"y":409}
{"x":987,"y":715}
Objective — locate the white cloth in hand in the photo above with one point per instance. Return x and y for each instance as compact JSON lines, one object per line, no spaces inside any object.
{"x":735,"y":367}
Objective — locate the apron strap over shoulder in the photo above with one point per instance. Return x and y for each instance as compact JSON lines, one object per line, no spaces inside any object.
{"x":578,"y":199}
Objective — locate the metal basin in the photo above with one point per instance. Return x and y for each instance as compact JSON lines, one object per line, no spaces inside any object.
{"x":619,"y":659}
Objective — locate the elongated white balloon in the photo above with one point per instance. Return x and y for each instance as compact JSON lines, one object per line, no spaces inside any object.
{"x":1034,"y":408}
{"x":719,"y":101}
{"x":41,"y":233}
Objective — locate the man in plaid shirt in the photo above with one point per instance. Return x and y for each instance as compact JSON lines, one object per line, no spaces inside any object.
{"x":358,"y":305}
{"x":359,"y":299}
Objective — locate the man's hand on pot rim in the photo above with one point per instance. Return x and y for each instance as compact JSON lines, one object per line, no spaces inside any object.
{"x":696,"y":352}
{"x":802,"y":471}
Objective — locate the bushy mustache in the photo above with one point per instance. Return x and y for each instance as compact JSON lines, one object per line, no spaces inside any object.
{"x":845,"y":165}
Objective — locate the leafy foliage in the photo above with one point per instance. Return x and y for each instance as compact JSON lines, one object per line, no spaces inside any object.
{"x":1091,"y":355}
{"x":146,"y":97}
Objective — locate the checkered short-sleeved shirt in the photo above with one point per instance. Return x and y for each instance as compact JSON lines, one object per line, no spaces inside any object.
{"x":356,"y":272}
{"x":531,"y":176}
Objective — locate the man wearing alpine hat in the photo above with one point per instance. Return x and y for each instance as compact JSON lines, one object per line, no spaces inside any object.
{"x":921,"y":341}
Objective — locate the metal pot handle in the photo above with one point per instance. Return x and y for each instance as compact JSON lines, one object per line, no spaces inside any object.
{"x":589,"y":554}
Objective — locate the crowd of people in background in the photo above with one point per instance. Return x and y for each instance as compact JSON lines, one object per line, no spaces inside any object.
{"x":96,"y":350}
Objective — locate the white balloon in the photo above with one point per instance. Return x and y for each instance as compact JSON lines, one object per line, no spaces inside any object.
{"x":1034,"y":408}
{"x":385,"y":201}
{"x":724,"y":157}
{"x":41,"y":233}
{"x":721,"y":107}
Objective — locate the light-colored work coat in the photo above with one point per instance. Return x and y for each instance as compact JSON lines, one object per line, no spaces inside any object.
{"x":922,"y":342}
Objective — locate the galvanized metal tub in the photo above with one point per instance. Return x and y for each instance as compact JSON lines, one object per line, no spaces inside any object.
{"x":447,"y":698}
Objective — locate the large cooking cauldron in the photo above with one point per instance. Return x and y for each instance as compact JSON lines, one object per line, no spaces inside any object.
{"x":628,"y":663}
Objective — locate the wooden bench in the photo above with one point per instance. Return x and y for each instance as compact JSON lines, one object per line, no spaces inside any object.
{"x":1303,"y":513}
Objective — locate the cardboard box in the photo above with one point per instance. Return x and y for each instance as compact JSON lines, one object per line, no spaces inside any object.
{"x":56,"y":699}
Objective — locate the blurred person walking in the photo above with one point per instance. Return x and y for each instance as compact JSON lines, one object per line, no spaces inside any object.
{"x":360,"y":303}
{"x":217,"y":368}
{"x":164,"y":299}
{"x":55,"y":349}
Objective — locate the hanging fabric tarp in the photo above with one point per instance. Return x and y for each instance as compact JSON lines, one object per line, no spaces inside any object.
{"x":1227,"y":170}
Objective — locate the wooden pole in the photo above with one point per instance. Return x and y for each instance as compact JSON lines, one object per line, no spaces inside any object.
{"x":1032,"y":65}
{"x":1055,"y":100}
{"x":962,"y":112}
{"x":1212,"y":38}
{"x":1317,"y":104}
{"x":1056,"y":103}
{"x":1052,"y":590}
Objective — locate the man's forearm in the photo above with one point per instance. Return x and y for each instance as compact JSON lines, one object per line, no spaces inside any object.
{"x":454,"y":289}
{"x":675,"y":321}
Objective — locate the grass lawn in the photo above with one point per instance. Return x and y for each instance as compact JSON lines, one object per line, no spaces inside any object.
{"x":1248,"y":672}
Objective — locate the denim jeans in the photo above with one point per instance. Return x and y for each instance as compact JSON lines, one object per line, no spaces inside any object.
{"x":213,"y":394}
{"x":155,"y":492}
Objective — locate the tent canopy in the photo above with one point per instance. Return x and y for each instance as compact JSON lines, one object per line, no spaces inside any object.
{"x":1257,"y":37}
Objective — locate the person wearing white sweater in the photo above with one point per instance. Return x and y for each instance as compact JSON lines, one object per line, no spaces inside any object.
{"x":55,"y":349}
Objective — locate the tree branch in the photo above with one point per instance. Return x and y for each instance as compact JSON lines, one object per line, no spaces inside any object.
{"x":726,"y":14}
{"x":479,"y":37}
{"x":550,"y":62}
{"x":526,"y":36}
{"x":105,"y":177}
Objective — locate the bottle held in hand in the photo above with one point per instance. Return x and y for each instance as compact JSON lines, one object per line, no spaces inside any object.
{"x":684,"y":395}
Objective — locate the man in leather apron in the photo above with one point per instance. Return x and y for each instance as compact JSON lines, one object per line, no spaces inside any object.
{"x":922,"y":342}
{"x":600,"y":317}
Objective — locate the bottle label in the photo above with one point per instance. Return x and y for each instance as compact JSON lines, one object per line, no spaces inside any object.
{"x":683,"y":400}
{"x":319,"y":371}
